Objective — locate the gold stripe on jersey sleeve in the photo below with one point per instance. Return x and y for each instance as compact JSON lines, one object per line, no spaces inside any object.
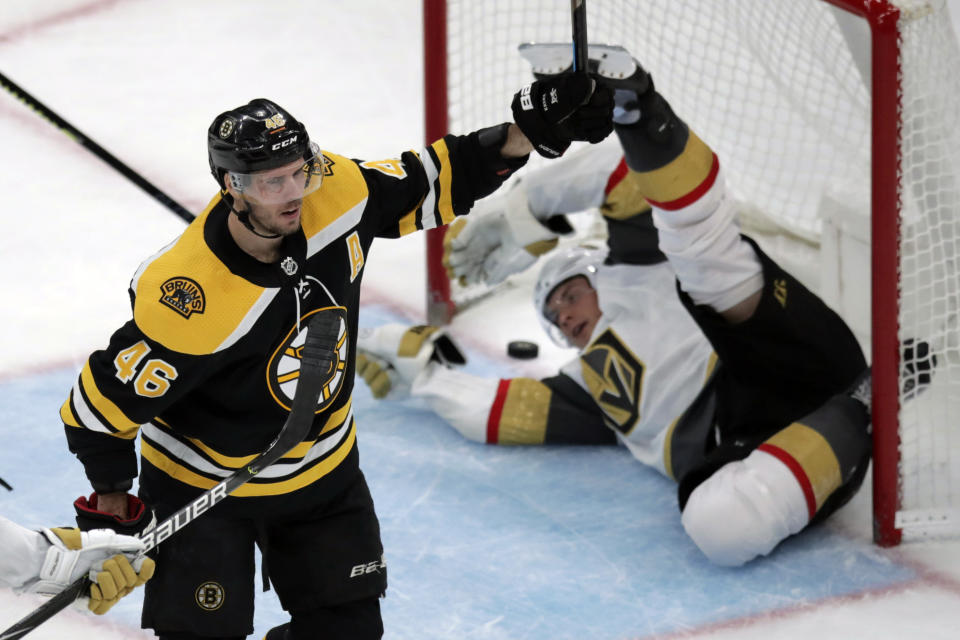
{"x":342,"y":190}
{"x":235,"y":462}
{"x":408,"y":222}
{"x":680,"y":176}
{"x":625,"y":199}
{"x":113,"y":414}
{"x":175,"y":470}
{"x":445,"y":204}
{"x":814,"y":454}
{"x":525,"y":410}
{"x":228,"y":298}
{"x":66,"y":414}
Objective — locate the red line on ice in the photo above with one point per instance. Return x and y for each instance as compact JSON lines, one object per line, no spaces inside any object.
{"x":60,"y":17}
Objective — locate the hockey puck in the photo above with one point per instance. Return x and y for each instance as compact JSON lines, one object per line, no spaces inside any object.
{"x":522,"y":349}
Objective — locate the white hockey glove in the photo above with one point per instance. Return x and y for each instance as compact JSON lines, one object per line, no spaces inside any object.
{"x":500,"y":237}
{"x":390,"y":357}
{"x":110,"y":560}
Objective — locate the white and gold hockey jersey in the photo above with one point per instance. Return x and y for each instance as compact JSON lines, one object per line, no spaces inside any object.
{"x":647,"y":361}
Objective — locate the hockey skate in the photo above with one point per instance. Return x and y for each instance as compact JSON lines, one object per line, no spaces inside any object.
{"x":615,"y":66}
{"x":612,"y":62}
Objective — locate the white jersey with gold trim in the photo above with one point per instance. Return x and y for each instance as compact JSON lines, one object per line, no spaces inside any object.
{"x":646,"y":360}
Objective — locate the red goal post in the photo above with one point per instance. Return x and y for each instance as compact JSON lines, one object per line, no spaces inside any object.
{"x":838,"y":123}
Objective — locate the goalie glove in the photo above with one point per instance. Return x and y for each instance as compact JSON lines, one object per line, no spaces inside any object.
{"x":501,"y":237}
{"x":109,"y":559}
{"x":394,"y":355}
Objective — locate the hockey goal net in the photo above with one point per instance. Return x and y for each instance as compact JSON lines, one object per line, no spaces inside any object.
{"x":838,"y":125}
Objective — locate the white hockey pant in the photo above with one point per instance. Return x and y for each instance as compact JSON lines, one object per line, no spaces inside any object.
{"x":745,"y":509}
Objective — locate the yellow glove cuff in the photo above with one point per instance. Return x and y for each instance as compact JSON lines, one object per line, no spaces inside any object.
{"x":70,"y":537}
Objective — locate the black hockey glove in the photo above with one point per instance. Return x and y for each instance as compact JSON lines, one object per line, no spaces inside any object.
{"x":557,"y":110}
{"x":140,"y":517}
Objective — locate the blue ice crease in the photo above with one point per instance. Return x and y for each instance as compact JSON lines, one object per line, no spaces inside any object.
{"x":492,"y":542}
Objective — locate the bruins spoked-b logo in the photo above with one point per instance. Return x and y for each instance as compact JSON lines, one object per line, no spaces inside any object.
{"x":615,"y":379}
{"x":327,"y":165}
{"x":209,"y":596}
{"x":226,"y":127}
{"x":283,"y":370}
{"x":183,"y":295}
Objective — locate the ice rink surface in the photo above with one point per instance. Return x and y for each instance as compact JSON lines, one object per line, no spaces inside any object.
{"x":481,"y":542}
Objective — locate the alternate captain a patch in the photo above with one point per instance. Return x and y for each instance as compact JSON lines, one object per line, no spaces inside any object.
{"x":614,"y":377}
{"x":355,"y":252}
{"x":283,"y":370}
{"x":183,"y":295}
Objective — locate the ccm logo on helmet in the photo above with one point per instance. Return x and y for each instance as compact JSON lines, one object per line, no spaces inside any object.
{"x":286,"y":143}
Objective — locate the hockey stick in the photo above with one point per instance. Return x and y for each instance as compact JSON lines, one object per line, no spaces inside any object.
{"x":315,"y":363}
{"x":578,"y":17}
{"x":78,"y":136}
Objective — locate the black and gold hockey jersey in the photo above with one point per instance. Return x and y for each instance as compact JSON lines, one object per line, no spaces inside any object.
{"x":206,"y":368}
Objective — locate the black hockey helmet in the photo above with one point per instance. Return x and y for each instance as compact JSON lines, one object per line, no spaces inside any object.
{"x":257,"y":136}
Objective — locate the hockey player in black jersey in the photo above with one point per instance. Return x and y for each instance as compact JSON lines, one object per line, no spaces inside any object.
{"x":206,"y":368}
{"x":697,"y":352}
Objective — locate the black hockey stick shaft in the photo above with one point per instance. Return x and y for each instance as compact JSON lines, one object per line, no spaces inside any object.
{"x":578,"y":17}
{"x":78,"y":136}
{"x":315,"y":369}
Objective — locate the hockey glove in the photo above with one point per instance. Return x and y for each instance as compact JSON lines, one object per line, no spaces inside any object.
{"x":375,"y":372}
{"x":109,"y":559}
{"x":557,"y":110}
{"x":395,"y":354}
{"x":500,"y":237}
{"x":116,"y":578}
{"x":139,"y":518}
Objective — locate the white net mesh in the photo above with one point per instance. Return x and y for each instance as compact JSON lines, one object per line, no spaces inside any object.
{"x":770,"y":85}
{"x":929,"y":285}
{"x":781,"y":90}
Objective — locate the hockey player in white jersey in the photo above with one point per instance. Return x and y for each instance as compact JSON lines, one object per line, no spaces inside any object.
{"x":47,"y":561}
{"x":708,"y":361}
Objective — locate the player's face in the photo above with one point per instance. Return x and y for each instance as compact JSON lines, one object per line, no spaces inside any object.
{"x":573,"y":307}
{"x":274,"y":199}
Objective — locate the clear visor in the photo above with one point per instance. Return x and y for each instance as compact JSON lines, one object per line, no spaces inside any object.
{"x":284,"y":184}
